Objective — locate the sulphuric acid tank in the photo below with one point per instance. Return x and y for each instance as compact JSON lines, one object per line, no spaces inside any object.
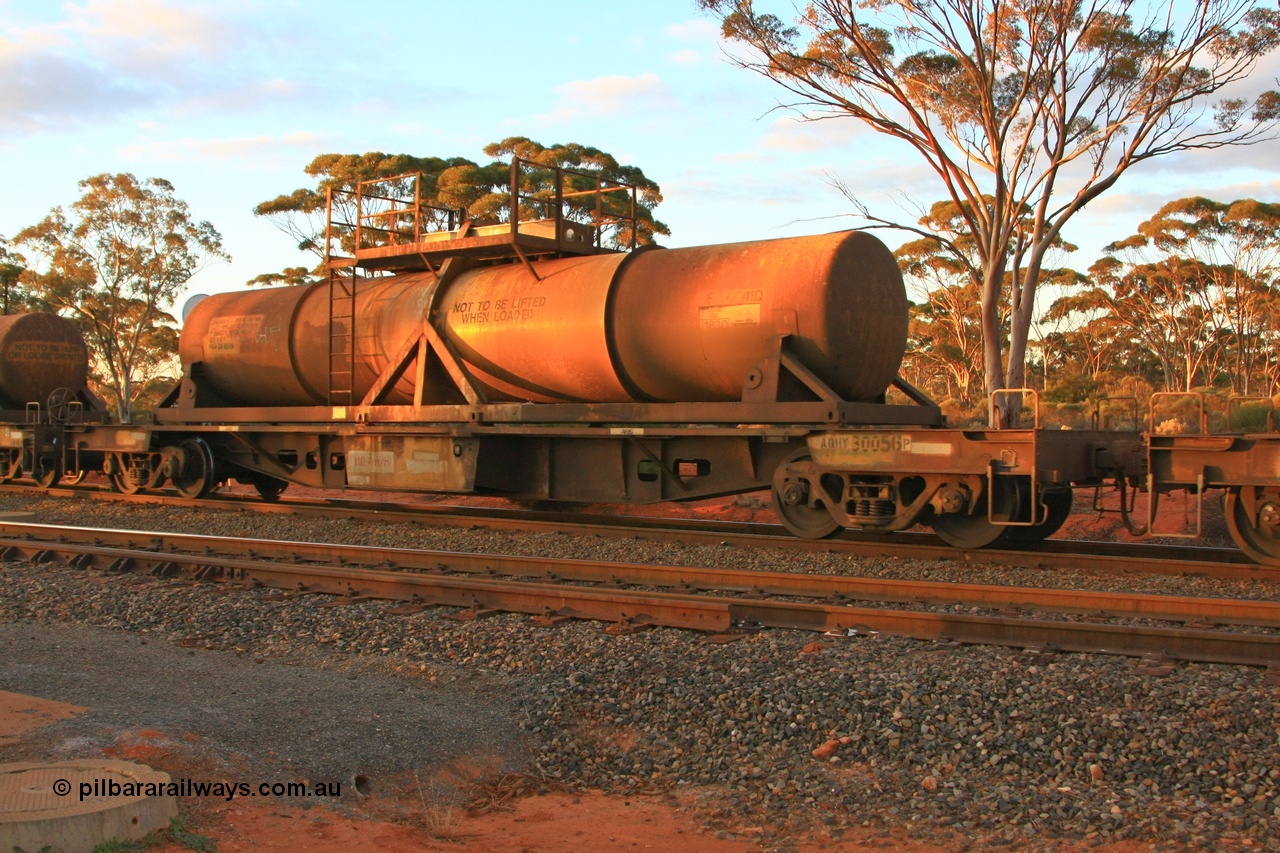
{"x":659,"y":325}
{"x":39,"y":353}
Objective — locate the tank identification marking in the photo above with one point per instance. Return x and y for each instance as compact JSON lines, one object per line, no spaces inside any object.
{"x":424,"y":462}
{"x":48,"y":352}
{"x":735,"y":297}
{"x":131,"y":440}
{"x":339,"y":413}
{"x":863,"y":442}
{"x":411,"y":462}
{"x":362,"y":465}
{"x":729,"y":316}
{"x":517,"y":308}
{"x":875,"y":450}
{"x":11,"y":437}
{"x":226,"y":334}
{"x":933,"y":448}
{"x":626,"y":431}
{"x":228,"y":428}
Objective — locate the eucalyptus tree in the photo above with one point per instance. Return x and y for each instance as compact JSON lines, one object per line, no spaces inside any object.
{"x":1038,"y":105}
{"x":114,"y":262}
{"x":1237,"y":245}
{"x":481,"y":192}
{"x":11,"y":267}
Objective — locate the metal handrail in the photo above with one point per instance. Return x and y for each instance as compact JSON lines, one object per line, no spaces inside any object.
{"x":1195,"y":395}
{"x":1235,"y":399}
{"x":995,"y":421}
{"x":387,"y":218}
{"x":1097,"y":409}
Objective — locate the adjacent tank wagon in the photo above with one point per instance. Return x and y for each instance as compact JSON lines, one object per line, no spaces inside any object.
{"x":44,"y":367}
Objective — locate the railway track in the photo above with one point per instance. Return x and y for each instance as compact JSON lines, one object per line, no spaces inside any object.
{"x":1101,"y":557}
{"x":719,"y":601}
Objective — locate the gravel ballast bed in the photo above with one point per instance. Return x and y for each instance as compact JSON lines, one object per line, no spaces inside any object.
{"x":949,"y":742}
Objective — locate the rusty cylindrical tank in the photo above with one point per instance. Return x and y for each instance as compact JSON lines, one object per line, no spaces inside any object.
{"x":39,"y":353}
{"x":668,"y":325}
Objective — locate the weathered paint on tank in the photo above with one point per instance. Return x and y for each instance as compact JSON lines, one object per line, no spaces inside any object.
{"x":39,"y":353}
{"x":663,"y":325}
{"x":689,"y":324}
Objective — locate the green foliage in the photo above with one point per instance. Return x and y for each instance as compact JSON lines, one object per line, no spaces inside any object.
{"x":945,"y":344}
{"x":1189,"y":299}
{"x":117,"y":845}
{"x":112,"y":263}
{"x":289,"y":277}
{"x":13,"y":296}
{"x":180,"y":833}
{"x":483,"y":192}
{"x":1026,"y":111}
{"x":592,"y":161}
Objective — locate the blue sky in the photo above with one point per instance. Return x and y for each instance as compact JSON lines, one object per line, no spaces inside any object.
{"x":230,"y":100}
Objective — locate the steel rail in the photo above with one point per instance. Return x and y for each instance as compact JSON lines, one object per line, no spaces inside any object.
{"x":675,"y":609}
{"x":1095,"y":557}
{"x":1176,"y":608}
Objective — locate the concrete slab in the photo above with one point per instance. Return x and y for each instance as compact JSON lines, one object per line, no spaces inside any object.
{"x":73,"y":806}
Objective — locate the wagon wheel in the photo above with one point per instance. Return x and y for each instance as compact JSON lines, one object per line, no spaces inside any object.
{"x":118,"y":475}
{"x":962,"y":530}
{"x":1059,"y":503}
{"x":198,"y":476}
{"x":1256,"y":531}
{"x":792,"y":497}
{"x":46,"y":472}
{"x":269,"y":488}
{"x":10,"y":466}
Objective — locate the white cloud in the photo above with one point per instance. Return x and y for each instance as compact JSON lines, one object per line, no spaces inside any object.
{"x":697,"y":30}
{"x":740,"y":157}
{"x":239,"y":97}
{"x":746,"y":191}
{"x":49,"y":90}
{"x":240,"y":148}
{"x":108,"y":57}
{"x":688,"y":56}
{"x":148,"y":35}
{"x":811,"y":133}
{"x":614,"y":95}
{"x":701,"y":37}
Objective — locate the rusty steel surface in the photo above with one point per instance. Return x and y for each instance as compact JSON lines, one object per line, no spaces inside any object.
{"x":1135,"y":605}
{"x":690,"y":323}
{"x":1115,"y":558}
{"x":39,"y":353}
{"x":674,"y":325}
{"x":246,"y":563}
{"x":270,"y":347}
{"x":543,"y":339}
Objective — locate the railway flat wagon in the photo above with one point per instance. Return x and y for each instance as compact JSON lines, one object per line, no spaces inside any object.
{"x":534,"y":360}
{"x":547,"y":358}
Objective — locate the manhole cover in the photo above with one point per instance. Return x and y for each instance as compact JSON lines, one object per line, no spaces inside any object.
{"x":74,"y":806}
